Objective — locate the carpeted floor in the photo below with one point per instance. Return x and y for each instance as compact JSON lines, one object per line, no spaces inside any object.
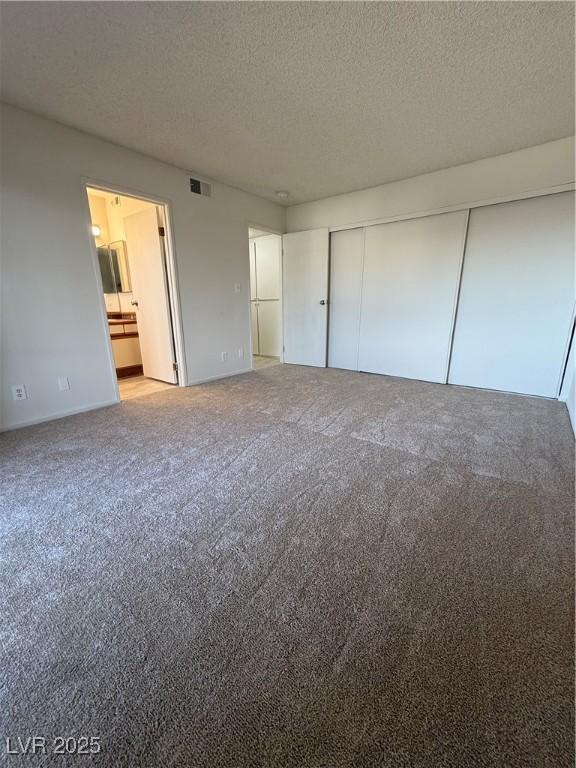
{"x":293,"y":568}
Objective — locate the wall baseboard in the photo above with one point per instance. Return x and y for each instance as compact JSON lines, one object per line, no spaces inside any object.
{"x":60,"y":415}
{"x":219,"y":376}
{"x":106,"y":403}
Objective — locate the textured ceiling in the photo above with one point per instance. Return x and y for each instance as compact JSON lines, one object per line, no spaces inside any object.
{"x":314,"y":98}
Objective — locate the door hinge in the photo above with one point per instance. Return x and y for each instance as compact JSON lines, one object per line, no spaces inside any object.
{"x":174,"y":366}
{"x":161,"y":231}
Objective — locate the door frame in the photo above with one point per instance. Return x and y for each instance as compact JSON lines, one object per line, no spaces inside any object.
{"x":171,"y":273}
{"x":269,"y":232}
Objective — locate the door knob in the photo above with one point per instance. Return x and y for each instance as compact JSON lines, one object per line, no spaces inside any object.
{"x":134,"y":303}
{"x":322,"y":302}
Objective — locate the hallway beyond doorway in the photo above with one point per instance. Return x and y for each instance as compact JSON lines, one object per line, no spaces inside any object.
{"x":139,"y":386}
{"x":261,"y":361}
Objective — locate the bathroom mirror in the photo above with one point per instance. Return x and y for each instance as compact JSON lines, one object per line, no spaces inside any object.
{"x":114,"y":267}
{"x":120,"y":265}
{"x":106,"y":271}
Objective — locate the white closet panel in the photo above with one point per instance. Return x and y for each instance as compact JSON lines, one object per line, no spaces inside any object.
{"x":269,"y":328}
{"x":516,"y":296}
{"x":346,"y":262}
{"x":268,"y":266}
{"x":410,"y":287}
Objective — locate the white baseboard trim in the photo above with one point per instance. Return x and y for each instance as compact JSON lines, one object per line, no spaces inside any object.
{"x":219,"y":376}
{"x":59,"y":415}
{"x":106,"y":403}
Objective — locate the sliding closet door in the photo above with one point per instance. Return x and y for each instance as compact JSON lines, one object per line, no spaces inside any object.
{"x":346,"y":262}
{"x":516,"y":297}
{"x":410,"y":288}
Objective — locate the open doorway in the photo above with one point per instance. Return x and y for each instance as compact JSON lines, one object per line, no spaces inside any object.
{"x":130,"y":239}
{"x":265,"y":297}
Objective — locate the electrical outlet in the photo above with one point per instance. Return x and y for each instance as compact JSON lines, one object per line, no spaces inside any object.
{"x":19,"y":392}
{"x":63,"y":383}
{"x":237,"y":287}
{"x":224,"y":356}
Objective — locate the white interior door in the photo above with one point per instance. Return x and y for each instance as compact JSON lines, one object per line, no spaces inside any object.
{"x":410,"y":288}
{"x":346,"y":265}
{"x":516,"y":298}
{"x":305,"y":297}
{"x":150,"y":290}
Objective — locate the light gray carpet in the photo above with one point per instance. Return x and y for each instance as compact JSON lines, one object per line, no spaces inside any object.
{"x":294,"y":568}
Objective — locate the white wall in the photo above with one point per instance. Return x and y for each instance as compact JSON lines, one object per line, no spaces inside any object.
{"x":99,"y":217}
{"x":51,"y":301}
{"x":117,"y":213}
{"x":547,"y":165}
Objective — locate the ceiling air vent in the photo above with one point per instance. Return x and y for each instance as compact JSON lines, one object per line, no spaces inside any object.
{"x":200,"y":187}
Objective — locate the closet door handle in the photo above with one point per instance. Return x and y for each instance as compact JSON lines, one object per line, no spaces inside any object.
{"x":322,"y":302}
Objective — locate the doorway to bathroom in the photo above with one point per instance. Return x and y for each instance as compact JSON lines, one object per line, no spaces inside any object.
{"x":133,"y":251}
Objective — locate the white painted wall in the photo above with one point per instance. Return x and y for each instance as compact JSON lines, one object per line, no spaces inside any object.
{"x":115,"y":214}
{"x":99,"y":217}
{"x":516,"y":173}
{"x":52,"y":323}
